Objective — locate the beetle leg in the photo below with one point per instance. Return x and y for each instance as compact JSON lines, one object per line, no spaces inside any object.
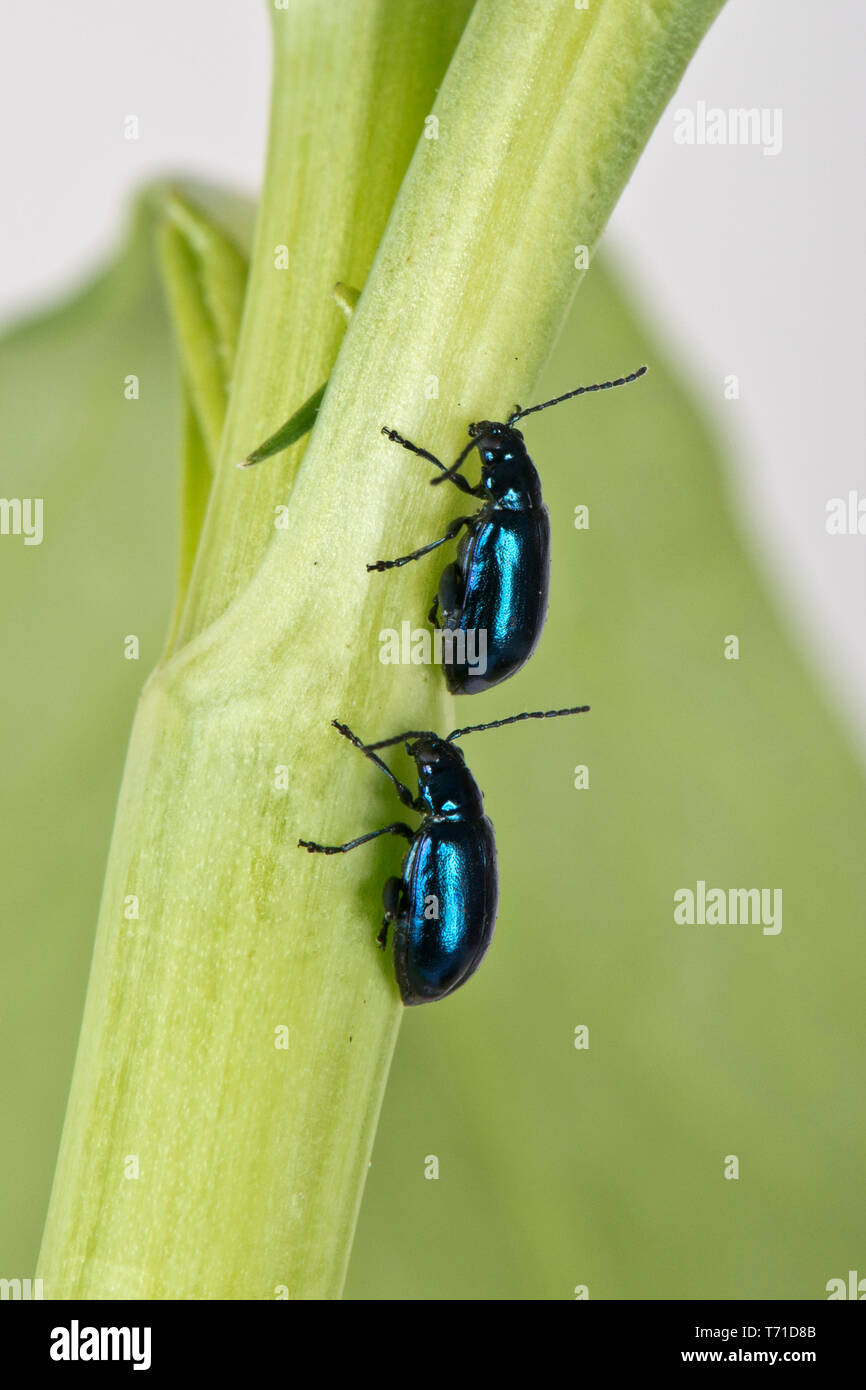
{"x":403,"y":791}
{"x":391,"y":896}
{"x":450,"y":588}
{"x":458,"y":481}
{"x":396,"y":438}
{"x":453,"y":474}
{"x":452,"y":531}
{"x":398,"y":828}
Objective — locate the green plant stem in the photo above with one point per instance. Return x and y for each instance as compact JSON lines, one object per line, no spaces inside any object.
{"x":352,"y":84}
{"x":252,"y":1158}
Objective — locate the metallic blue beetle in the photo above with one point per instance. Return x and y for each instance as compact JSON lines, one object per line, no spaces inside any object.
{"x":444,"y":904}
{"x":499,"y":583}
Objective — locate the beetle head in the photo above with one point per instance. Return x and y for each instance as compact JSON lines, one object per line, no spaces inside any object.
{"x":433,"y":754}
{"x":494,"y":437}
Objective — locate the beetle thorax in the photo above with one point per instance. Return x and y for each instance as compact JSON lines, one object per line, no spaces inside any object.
{"x":507,"y":472}
{"x":445,"y":784}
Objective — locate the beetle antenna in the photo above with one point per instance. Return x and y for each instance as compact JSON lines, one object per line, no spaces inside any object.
{"x":515,"y":719}
{"x":398,"y":738}
{"x":580,"y":391}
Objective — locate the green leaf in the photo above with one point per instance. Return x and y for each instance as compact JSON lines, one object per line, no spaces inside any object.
{"x":205,"y":276}
{"x":294,"y":429}
{"x":106,"y":469}
{"x":196,"y":476}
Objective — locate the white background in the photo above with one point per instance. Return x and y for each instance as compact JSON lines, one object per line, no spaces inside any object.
{"x":754,"y":262}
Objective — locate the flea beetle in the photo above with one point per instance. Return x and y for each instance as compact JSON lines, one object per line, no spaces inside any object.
{"x":499,"y":583}
{"x":443,"y":906}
